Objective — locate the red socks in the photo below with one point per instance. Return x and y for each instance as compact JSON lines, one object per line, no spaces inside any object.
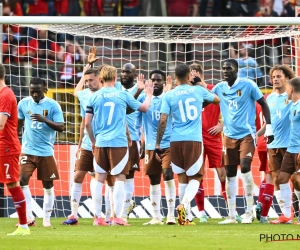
{"x":223,"y":187}
{"x":267,"y":199}
{"x":199,"y":197}
{"x":20,"y":204}
{"x":261,"y":191}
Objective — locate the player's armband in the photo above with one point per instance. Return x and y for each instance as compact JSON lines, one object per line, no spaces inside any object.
{"x":89,"y":110}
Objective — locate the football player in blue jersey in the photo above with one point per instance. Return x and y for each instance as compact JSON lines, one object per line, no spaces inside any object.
{"x":107,"y":111}
{"x":238,"y":97}
{"x":128,"y":75}
{"x":42,"y":118}
{"x":184,"y":104}
{"x":153,"y":168}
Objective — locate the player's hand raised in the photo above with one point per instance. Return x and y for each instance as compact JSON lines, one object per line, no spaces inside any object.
{"x":149,"y":87}
{"x":140,"y":81}
{"x":92,"y":57}
{"x":169,"y":84}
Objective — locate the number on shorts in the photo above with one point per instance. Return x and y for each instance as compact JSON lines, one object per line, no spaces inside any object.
{"x":191,"y":110}
{"x":146,"y":159}
{"x":111,"y":111}
{"x":23,"y":159}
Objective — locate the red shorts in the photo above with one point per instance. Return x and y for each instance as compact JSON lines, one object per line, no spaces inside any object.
{"x":263,"y":158}
{"x":213,"y":152}
{"x":9,"y":169}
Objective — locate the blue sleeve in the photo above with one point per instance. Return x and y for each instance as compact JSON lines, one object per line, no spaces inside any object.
{"x":57,"y":113}
{"x":141,"y":98}
{"x":255,"y":91}
{"x":118,"y":86}
{"x":82,"y":111}
{"x":215,"y":89}
{"x":80,"y":94}
{"x":21,"y":115}
{"x":208,"y":96}
{"x":131,"y":102}
{"x":165,"y":105}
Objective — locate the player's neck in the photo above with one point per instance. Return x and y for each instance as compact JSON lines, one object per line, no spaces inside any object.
{"x":280,"y":91}
{"x":2,"y":84}
{"x":158,"y":93}
{"x":128,"y":85}
{"x":109,"y":84}
{"x":295,"y":97}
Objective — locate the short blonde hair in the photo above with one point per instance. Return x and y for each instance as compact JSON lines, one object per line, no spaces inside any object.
{"x":108,"y":73}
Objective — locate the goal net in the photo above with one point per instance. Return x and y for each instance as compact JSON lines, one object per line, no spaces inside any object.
{"x":58,"y":52}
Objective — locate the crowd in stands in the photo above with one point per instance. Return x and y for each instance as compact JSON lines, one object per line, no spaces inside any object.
{"x":23,"y":45}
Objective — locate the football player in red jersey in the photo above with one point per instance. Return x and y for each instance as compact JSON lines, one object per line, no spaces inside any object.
{"x":212,"y":128}
{"x":9,"y":152}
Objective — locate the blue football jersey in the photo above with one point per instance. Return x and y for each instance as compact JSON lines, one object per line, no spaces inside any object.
{"x":280,"y":119}
{"x":238,"y":107}
{"x":132,"y":119}
{"x":184,"y":104}
{"x":294,"y":145}
{"x":150,"y":121}
{"x":38,"y":138}
{"x":84,"y":99}
{"x":108,"y":105}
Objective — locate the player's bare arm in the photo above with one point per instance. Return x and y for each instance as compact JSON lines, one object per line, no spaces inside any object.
{"x":160,"y":133}
{"x":266,"y":112}
{"x":81,"y":133}
{"x":89,"y":129}
{"x":3,"y":119}
{"x":81,"y":82}
{"x":57,"y":126}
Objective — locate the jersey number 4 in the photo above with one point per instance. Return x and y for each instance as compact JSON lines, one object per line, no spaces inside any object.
{"x":190,"y":111}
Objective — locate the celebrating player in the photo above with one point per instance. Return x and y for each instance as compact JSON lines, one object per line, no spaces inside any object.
{"x":109,"y":142}
{"x":184,"y":104}
{"x":238,"y":96}
{"x":9,"y":152}
{"x":291,"y":160}
{"x":154,"y":168}
{"x":42,"y":117}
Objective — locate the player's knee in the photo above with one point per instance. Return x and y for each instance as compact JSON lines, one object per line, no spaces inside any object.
{"x":245,"y":166}
{"x":231,"y":171}
{"x":154,"y":179}
{"x":295,"y":178}
{"x":24,"y":180}
{"x":47,"y":184}
{"x":168,"y":174}
{"x":79,"y":176}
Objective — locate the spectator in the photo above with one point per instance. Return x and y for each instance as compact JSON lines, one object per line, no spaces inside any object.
{"x":93,"y":7}
{"x":181,"y":9}
{"x":10,"y":47}
{"x":61,"y":7}
{"x":12,"y":8}
{"x":74,"y":58}
{"x":242,"y":7}
{"x":248,"y":67}
{"x":215,"y":8}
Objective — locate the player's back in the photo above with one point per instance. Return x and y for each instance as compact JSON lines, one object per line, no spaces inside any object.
{"x":185,"y":105}
{"x":9,"y":141}
{"x":109,"y":108}
{"x":38,"y":138}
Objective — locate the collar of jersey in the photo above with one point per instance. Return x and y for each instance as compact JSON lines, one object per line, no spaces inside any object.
{"x":41,"y":101}
{"x":129,"y":90}
{"x":282,"y":94}
{"x":158,"y":96}
{"x":295,"y":103}
{"x":235,"y":83}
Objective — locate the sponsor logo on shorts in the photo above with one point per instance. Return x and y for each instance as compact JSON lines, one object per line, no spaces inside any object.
{"x":249,"y":154}
{"x":52,"y":176}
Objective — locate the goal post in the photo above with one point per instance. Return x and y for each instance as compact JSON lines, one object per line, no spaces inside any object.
{"x":56,"y":48}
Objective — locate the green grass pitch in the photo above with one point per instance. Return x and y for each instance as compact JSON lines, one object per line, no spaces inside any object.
{"x":202,"y":236}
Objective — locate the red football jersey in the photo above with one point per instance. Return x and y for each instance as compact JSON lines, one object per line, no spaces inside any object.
{"x":259,"y":122}
{"x":9,"y":141}
{"x":210,"y":118}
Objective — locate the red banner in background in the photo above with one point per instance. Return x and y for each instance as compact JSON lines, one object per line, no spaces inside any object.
{"x":65,"y":157}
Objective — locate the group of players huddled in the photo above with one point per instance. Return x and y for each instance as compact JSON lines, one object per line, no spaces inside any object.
{"x":173,"y":127}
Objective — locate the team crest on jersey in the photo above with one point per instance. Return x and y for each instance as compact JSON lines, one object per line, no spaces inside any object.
{"x":28,"y":112}
{"x":239,"y":92}
{"x":45,"y":112}
{"x":295,"y":112}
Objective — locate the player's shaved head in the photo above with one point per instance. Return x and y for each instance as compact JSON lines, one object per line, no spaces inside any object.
{"x":129,"y":66}
{"x":2,"y":72}
{"x":182,"y":73}
{"x":295,"y":83}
